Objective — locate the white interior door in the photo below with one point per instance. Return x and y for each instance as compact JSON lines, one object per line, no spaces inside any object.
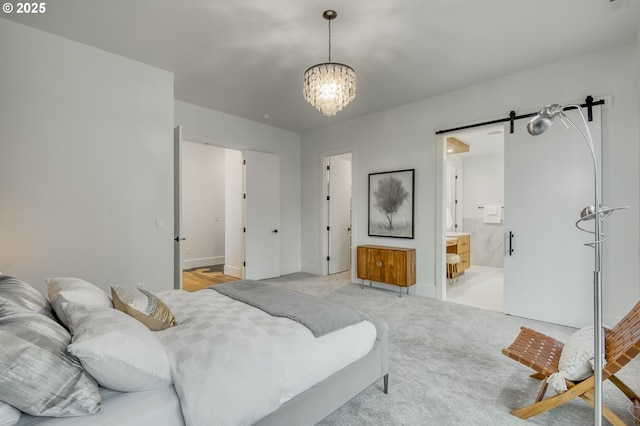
{"x":262,"y":215}
{"x":548,"y":180}
{"x":339,"y":223}
{"x":177,"y":207}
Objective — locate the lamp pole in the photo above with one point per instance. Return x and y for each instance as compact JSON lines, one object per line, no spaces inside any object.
{"x":598,"y":214}
{"x":541,"y":122}
{"x":536,"y":126}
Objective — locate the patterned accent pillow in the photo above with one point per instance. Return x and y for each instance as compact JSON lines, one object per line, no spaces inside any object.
{"x":75,"y":290}
{"x":143,"y":306}
{"x":37,"y":375}
{"x":118,"y":351}
{"x":22,"y":294}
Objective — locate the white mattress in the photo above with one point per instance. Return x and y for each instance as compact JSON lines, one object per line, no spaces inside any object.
{"x":158,"y":407}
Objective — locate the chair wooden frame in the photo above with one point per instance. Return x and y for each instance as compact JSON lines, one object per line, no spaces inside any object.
{"x":542,"y":354}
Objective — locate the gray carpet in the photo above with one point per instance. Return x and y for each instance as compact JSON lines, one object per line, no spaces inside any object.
{"x":446,"y":367}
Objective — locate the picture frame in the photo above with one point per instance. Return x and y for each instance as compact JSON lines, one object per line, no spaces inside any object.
{"x":391,"y":204}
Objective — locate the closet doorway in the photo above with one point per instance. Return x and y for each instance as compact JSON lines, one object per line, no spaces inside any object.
{"x":218,"y":193}
{"x":212,"y":247}
{"x":474,"y":208}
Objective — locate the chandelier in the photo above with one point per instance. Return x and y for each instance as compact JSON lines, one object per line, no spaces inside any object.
{"x":329,"y":86}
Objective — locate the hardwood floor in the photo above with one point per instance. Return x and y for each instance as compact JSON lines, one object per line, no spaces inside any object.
{"x":199,"y":278}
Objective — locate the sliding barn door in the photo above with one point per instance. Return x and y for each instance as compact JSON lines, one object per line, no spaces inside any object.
{"x":548,"y":180}
{"x":262,"y":215}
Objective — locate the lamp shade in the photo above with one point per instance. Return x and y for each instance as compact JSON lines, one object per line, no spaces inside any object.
{"x":538,"y":125}
{"x":541,"y":122}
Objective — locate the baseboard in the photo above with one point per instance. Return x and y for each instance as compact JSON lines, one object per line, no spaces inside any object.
{"x":233,"y":271}
{"x":199,"y":263}
{"x":311,"y":268}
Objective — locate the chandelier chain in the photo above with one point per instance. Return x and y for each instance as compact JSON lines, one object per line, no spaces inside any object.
{"x":329,"y":40}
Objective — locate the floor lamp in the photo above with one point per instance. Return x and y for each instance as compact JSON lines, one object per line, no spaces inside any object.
{"x":538,"y":124}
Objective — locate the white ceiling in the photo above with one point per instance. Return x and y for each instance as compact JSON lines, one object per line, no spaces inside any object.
{"x":484,"y":140}
{"x":247,"y":57}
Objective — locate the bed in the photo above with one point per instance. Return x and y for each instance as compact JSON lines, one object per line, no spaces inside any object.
{"x":243,"y":353}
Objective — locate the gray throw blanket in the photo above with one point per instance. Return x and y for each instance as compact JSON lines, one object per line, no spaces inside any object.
{"x":319,"y":316}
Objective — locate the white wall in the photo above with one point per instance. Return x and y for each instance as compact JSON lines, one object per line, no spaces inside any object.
{"x":234,"y":202}
{"x":86,"y":163}
{"x":484,"y":185}
{"x":404,"y":137}
{"x":224,"y":130}
{"x":203,"y":205}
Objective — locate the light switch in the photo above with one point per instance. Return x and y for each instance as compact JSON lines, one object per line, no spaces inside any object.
{"x":159,"y":223}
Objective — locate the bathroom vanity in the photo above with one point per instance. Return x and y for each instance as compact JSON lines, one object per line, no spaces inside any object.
{"x":460,"y":244}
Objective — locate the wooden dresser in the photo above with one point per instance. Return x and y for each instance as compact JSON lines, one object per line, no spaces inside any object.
{"x":390,"y":265}
{"x":462,"y":247}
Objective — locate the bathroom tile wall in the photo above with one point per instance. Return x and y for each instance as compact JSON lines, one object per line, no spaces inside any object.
{"x":487,"y":242}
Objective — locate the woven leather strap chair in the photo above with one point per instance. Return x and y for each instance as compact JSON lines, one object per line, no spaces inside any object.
{"x":542,"y":353}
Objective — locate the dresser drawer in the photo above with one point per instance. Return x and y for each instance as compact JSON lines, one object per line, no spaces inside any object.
{"x":464,"y":244}
{"x":465,"y":261}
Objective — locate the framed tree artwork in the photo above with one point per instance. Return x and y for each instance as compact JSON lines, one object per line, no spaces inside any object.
{"x":391,"y":204}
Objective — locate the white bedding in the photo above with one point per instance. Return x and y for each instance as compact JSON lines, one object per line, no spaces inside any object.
{"x":234,"y":364}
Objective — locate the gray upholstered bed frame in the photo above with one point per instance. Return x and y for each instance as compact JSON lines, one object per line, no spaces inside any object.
{"x":308,"y":408}
{"x":319,"y":401}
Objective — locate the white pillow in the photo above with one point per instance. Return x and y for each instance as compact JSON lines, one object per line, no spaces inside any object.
{"x":9,"y":415}
{"x":118,"y":351}
{"x":74,"y":290}
{"x":576,"y":360}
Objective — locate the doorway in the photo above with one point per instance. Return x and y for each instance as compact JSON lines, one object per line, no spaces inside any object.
{"x":473,"y":177}
{"x":338,"y":190}
{"x":244,"y":188}
{"x":211,"y":249}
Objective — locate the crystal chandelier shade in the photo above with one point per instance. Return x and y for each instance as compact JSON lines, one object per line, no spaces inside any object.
{"x":329,"y":86}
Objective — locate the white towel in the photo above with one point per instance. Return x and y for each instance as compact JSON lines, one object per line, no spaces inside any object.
{"x":492,"y":214}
